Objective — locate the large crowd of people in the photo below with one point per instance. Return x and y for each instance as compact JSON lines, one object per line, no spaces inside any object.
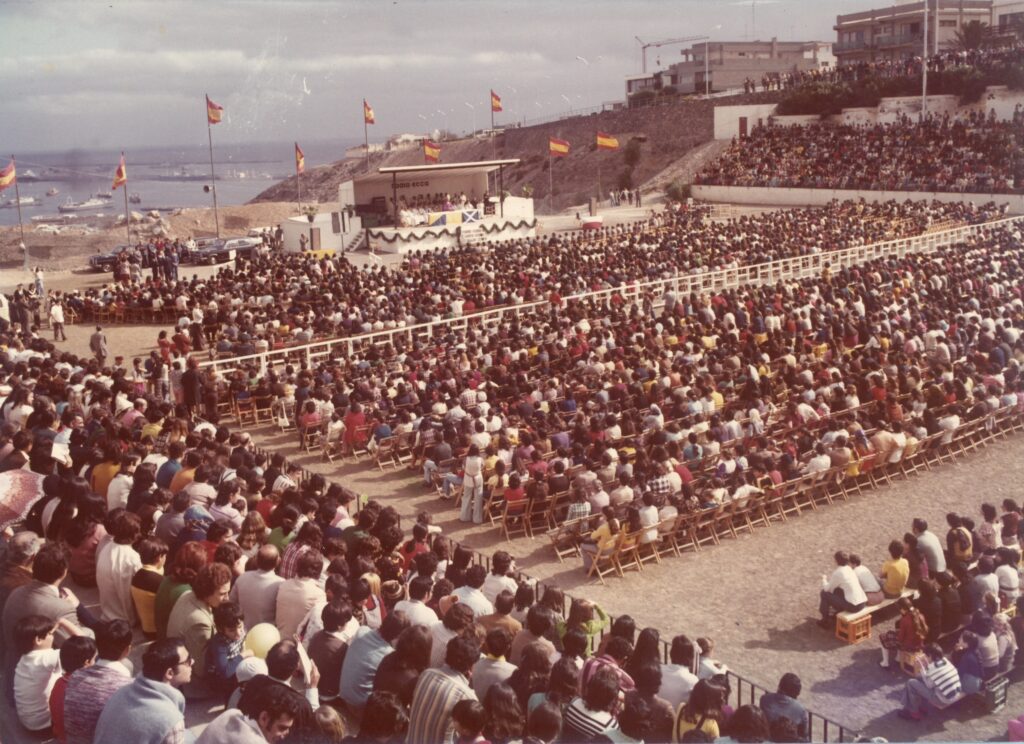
{"x":279,"y":299}
{"x":970,"y":154}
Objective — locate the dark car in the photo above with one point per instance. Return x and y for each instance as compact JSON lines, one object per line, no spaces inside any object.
{"x":106,"y":261}
{"x":228,"y":249}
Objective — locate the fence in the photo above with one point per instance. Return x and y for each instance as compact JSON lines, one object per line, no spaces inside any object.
{"x":795,"y":267}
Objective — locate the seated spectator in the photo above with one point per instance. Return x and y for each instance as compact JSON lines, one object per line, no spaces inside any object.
{"x":439,"y":690}
{"x":225,"y":652}
{"x":492,"y":666}
{"x":895,"y":571}
{"x":591,"y":714}
{"x":92,"y":686}
{"x":37,"y":671}
{"x":868,"y":583}
{"x":909,"y":636}
{"x":677,"y":677}
{"x":191,"y":619}
{"x":296,"y":596}
{"x":539,"y":622}
{"x":146,"y":582}
{"x":937,"y":685}
{"x":783,"y":704}
{"x":365,"y":653}
{"x":702,"y":711}
{"x":76,"y":653}
{"x":660,"y":714}
{"x":284,"y":672}
{"x":151,"y":708}
{"x":270,"y":717}
{"x":841,"y":591}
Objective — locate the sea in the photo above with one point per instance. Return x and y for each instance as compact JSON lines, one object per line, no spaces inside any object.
{"x":163,"y":178}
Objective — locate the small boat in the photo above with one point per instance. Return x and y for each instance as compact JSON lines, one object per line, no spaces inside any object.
{"x":85,"y":206}
{"x":52,"y":191}
{"x":134,"y":198}
{"x":25,"y":201}
{"x":103,"y":195}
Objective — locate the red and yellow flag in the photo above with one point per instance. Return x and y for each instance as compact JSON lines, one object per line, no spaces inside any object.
{"x":495,"y":102}
{"x":8,"y":176}
{"x":558,"y":148}
{"x":607,"y":142}
{"x":368,"y":113}
{"x":300,"y":159}
{"x":214,"y":113}
{"x":120,"y":175}
{"x":431,"y":151}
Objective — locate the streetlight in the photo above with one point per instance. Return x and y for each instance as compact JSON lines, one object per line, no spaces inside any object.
{"x":473,"y":109}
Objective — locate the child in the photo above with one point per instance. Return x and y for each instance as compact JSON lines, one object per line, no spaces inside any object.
{"x":37,"y":671}
{"x":708,"y":667}
{"x":330,"y":724}
{"x":224,"y":652}
{"x":469,"y":718}
{"x":327,"y":648}
{"x":76,"y":653}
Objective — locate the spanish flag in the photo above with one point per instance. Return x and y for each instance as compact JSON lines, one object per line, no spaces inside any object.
{"x":495,"y":102}
{"x":607,"y":142}
{"x":7,"y":176}
{"x":214,"y":113}
{"x":368,"y":113}
{"x":558,"y":148}
{"x":431,"y":151}
{"x":120,"y":175}
{"x":300,"y":159}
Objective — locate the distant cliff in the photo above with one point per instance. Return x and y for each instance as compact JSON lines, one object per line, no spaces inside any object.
{"x":650,"y":139}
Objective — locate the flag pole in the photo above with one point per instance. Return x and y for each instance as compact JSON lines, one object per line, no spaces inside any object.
{"x":213,"y":177}
{"x":599,"y":191}
{"x":366,"y":138}
{"x":551,"y":181}
{"x":17,"y":201}
{"x":127,"y":214}
{"x":298,"y":179}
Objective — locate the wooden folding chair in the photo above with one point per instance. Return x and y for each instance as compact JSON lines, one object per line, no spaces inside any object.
{"x":513,"y":520}
{"x":361,"y":445}
{"x":263,"y":409}
{"x":565,"y":538}
{"x":604,"y":560}
{"x":626,"y":555}
{"x":245,"y":410}
{"x":494,"y":504}
{"x":384,"y":454}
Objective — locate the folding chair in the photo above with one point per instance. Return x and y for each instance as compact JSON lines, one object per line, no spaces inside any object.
{"x":513,"y":520}
{"x":603,"y":562}
{"x":385,"y":452}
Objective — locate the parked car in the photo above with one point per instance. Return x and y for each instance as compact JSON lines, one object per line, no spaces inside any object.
{"x":227,"y":249}
{"x":106,"y":261}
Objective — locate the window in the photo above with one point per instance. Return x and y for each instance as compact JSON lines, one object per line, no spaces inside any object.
{"x":947,"y":24}
{"x":1008,"y":20}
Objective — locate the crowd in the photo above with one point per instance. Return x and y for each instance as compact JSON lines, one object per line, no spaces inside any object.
{"x":965,"y":587}
{"x":969,"y":154}
{"x":281,"y":299}
{"x":981,"y":60}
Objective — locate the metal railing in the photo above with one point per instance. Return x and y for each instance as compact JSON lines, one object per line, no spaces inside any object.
{"x":794,"y":267}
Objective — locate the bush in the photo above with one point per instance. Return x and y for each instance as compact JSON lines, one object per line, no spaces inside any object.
{"x":677,"y":191}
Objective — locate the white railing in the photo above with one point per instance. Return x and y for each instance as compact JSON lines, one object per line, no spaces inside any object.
{"x":795,"y":267}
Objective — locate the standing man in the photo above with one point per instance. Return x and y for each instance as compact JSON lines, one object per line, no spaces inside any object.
{"x":57,"y":318}
{"x":192,"y":384}
{"x":98,"y":345}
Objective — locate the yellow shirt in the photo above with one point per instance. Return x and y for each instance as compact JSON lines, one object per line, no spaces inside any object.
{"x":896,"y":572}
{"x":102,"y":474}
{"x":709,"y":727}
{"x":182,"y":478}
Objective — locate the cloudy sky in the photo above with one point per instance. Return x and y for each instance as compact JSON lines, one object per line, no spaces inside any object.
{"x":114,"y":74}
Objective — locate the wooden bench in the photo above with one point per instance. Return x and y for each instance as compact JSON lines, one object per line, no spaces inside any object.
{"x":854,"y":627}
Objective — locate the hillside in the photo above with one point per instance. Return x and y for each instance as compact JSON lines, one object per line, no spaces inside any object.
{"x":663,"y":134}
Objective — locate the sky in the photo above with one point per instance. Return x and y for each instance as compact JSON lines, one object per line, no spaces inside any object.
{"x":108,"y":75}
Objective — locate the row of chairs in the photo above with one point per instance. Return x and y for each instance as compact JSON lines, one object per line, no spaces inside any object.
{"x":777,"y":503}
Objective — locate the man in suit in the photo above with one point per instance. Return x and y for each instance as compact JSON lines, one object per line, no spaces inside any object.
{"x":41,"y":596}
{"x":98,"y":345}
{"x":192,"y":383}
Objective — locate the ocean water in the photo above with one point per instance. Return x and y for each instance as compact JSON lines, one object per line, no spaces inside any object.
{"x":164,"y":178}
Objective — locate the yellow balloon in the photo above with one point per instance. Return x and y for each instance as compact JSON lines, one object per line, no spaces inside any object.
{"x":261,"y":639}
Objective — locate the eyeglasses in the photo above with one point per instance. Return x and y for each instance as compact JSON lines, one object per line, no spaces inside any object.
{"x":188,"y":660}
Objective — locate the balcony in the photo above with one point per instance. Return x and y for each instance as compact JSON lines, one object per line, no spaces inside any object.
{"x":896,"y":40}
{"x":849,"y":46}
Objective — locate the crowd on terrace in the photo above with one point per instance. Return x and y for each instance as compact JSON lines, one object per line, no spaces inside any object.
{"x":969,"y":154}
{"x":280,"y":298}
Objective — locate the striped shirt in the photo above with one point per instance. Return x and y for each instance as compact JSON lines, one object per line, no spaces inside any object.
{"x":580,"y":723}
{"x":437,"y":692}
{"x":943,"y":679}
{"x":88,"y":690}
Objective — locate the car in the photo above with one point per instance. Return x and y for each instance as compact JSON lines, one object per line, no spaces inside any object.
{"x":106,"y":261}
{"x":227,"y":249}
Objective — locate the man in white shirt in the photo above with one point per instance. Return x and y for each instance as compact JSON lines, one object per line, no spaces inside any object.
{"x":841,"y":591}
{"x":677,"y":678}
{"x":470,"y":594}
{"x":498,"y":579}
{"x":255,"y":592}
{"x":415,"y":607}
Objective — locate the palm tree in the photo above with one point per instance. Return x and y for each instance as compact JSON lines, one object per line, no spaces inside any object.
{"x":972,"y":35}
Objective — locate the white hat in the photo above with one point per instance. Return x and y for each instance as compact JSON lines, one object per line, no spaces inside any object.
{"x":249,"y":668}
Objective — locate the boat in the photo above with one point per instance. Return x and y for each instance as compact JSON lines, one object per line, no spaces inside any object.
{"x":29,"y":175}
{"x":25,"y":201}
{"x":52,"y":191}
{"x":134,"y":198}
{"x":103,"y":195}
{"x":85,"y":206}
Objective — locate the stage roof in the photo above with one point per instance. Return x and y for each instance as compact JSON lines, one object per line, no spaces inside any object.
{"x":386,"y":174}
